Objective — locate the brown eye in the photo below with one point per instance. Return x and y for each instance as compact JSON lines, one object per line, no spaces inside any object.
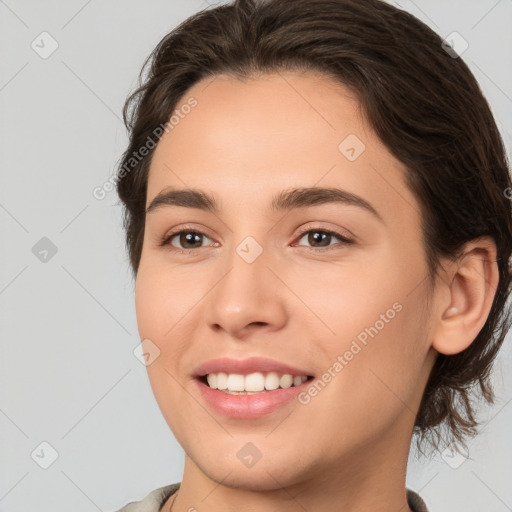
{"x":189,"y":240}
{"x":184,"y":240}
{"x":319,"y":238}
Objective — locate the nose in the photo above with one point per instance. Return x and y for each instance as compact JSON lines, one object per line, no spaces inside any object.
{"x":248,"y":298}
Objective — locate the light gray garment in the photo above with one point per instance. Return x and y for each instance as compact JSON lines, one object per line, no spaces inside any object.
{"x":155,"y":499}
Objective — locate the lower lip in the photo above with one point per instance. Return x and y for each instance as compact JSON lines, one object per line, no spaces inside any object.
{"x":248,"y":406}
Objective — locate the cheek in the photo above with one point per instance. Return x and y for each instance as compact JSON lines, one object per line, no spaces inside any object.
{"x":379,"y":367}
{"x":166,"y":303}
{"x":163,"y":298}
{"x":160,"y":303}
{"x":347,"y":298}
{"x":373,"y":336}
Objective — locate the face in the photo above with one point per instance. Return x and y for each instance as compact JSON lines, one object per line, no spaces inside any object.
{"x":276,"y":286}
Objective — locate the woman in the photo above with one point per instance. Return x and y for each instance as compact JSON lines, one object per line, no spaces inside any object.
{"x":317,"y":219}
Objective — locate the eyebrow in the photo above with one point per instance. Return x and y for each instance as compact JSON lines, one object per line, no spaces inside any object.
{"x":284,"y":200}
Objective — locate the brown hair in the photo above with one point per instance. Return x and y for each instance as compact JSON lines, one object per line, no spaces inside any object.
{"x":425,"y":106}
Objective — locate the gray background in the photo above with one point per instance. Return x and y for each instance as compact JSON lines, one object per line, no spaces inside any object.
{"x":68,"y":373}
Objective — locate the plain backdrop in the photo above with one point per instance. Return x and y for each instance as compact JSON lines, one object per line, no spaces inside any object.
{"x":73,"y":396}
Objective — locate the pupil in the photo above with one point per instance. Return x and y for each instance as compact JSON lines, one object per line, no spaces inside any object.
{"x":317,"y":236}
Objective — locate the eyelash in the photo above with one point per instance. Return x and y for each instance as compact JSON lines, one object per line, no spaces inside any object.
{"x":166,"y":240}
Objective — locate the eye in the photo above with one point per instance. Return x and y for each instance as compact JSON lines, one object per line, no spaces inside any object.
{"x":184,"y":240}
{"x":188,"y":240}
{"x":320,"y":238}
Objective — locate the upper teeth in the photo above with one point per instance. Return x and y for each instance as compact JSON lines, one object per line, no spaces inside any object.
{"x":253,"y":381}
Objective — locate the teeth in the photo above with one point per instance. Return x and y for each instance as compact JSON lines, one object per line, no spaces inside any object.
{"x":236,"y":382}
{"x":222,"y":380}
{"x":297,"y":380}
{"x":286,"y":381}
{"x":253,"y":382}
{"x":271,"y":381}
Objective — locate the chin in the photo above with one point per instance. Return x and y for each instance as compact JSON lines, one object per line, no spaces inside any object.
{"x":265,"y":478}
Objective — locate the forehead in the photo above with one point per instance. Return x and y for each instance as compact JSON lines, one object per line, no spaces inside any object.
{"x":245,"y":140}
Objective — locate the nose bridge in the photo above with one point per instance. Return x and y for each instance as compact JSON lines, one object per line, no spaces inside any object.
{"x":247,"y":293}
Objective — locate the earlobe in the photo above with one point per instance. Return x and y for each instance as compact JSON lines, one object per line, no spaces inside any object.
{"x":471,"y":285}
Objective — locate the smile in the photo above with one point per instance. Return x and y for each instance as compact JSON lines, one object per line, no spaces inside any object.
{"x":252,"y":383}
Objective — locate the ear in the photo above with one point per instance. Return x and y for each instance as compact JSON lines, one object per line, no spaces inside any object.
{"x":468,"y":291}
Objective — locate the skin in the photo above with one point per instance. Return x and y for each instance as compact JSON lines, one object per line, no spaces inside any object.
{"x":347,"y":448}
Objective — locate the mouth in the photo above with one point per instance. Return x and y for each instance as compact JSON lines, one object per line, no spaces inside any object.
{"x":249,"y":388}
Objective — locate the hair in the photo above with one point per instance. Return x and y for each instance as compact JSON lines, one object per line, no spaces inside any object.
{"x":423,"y":103}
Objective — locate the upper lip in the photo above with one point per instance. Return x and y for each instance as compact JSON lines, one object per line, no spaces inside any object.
{"x":246,"y":366}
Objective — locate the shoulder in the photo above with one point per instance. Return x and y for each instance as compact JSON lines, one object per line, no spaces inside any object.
{"x":415,"y":502}
{"x":153,"y":501}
